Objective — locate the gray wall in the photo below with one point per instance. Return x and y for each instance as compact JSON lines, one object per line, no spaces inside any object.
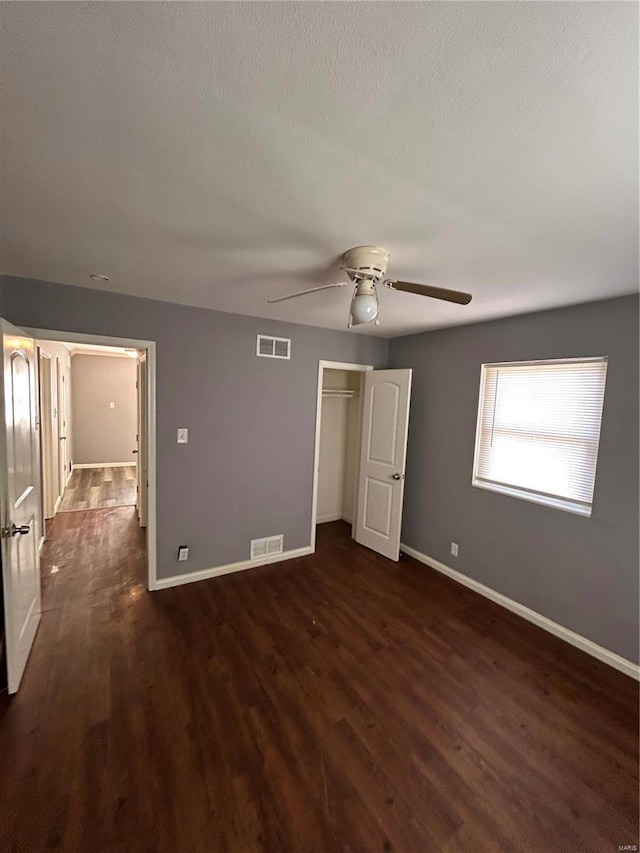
{"x":247,"y":470}
{"x":579,"y":572}
{"x":102,"y":433}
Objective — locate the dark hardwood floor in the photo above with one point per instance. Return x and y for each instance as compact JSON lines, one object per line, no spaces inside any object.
{"x":338,"y":702}
{"x":95,"y":488}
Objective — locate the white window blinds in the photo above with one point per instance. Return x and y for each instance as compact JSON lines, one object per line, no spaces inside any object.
{"x":539,"y":429}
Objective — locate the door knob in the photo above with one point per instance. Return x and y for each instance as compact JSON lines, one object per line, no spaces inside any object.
{"x":14,"y":530}
{"x":397,"y":476}
{"x":134,"y":451}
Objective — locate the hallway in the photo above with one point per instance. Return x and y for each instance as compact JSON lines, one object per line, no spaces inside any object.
{"x":96,"y":488}
{"x":335,"y":702}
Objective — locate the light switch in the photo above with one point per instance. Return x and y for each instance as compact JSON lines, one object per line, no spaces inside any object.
{"x":112,"y":405}
{"x":183,"y":436}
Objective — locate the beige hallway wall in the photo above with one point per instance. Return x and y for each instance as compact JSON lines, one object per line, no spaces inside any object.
{"x":103,"y":434}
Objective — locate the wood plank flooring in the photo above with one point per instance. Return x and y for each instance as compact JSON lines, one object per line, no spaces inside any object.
{"x":338,"y":702}
{"x":95,"y":488}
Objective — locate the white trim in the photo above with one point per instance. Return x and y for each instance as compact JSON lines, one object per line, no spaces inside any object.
{"x":586,"y":360}
{"x":131,"y":464}
{"x":82,"y":338}
{"x":152,"y":541}
{"x":565,"y":504}
{"x":56,"y":505}
{"x":322,"y":365}
{"x":41,"y":545}
{"x":150,"y":347}
{"x":92,"y":352}
{"x":333,"y":516}
{"x":342,"y":365}
{"x":205,"y":574}
{"x":580,"y":642}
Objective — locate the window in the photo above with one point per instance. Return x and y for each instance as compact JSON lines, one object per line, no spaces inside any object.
{"x":539,"y":429}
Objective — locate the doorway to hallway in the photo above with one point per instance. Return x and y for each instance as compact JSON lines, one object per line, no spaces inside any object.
{"x":82,"y":451}
{"x":94,"y":418}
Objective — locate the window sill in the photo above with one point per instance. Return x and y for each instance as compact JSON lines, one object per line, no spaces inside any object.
{"x":533,"y":497}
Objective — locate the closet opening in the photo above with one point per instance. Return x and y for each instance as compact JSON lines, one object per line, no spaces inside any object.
{"x":338,"y":435}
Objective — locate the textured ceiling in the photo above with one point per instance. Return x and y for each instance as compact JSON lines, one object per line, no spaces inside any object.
{"x":216,"y":154}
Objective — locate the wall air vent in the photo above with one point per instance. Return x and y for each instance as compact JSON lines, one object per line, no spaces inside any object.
{"x":268,"y":347}
{"x":261,"y":548}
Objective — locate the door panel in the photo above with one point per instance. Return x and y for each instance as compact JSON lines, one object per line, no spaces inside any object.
{"x":19,"y":500}
{"x":385,"y":423}
{"x":383,"y":411}
{"x":378,"y":502}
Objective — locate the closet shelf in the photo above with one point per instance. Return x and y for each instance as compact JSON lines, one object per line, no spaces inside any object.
{"x":339,"y":392}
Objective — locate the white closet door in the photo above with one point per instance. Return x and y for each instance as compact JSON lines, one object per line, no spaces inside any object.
{"x":385,"y":424}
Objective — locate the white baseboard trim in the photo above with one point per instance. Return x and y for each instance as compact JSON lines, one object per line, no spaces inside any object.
{"x":56,"y":505}
{"x":41,"y":545}
{"x":336,"y":516}
{"x":580,"y":642}
{"x":204,"y":574}
{"x":103,"y":464}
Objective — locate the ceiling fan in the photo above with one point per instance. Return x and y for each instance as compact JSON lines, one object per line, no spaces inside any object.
{"x":365,"y":266}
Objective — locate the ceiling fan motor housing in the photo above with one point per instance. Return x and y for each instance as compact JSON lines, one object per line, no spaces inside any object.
{"x":368,"y":261}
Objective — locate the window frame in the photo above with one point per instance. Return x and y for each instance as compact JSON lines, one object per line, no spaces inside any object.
{"x":532,"y":495}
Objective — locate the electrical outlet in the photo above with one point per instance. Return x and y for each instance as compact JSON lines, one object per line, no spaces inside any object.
{"x":183,"y":436}
{"x":454,"y":549}
{"x":112,"y":405}
{"x":183,"y":553}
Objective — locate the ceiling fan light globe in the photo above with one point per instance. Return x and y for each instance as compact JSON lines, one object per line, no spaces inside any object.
{"x":364,"y":308}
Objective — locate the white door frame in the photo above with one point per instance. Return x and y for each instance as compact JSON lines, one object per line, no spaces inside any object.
{"x":322,"y":366}
{"x":150,"y":347}
{"x":62,"y":406}
{"x":142,"y":437}
{"x":45,"y":383}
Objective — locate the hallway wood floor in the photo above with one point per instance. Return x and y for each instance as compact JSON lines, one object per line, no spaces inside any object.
{"x":338,"y":702}
{"x":95,"y":488}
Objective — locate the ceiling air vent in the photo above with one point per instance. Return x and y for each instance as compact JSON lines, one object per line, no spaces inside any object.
{"x":261,"y":548}
{"x":269,"y":347}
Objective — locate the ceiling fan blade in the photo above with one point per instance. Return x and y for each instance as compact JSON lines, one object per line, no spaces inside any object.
{"x":428,"y":290}
{"x":311,"y":290}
